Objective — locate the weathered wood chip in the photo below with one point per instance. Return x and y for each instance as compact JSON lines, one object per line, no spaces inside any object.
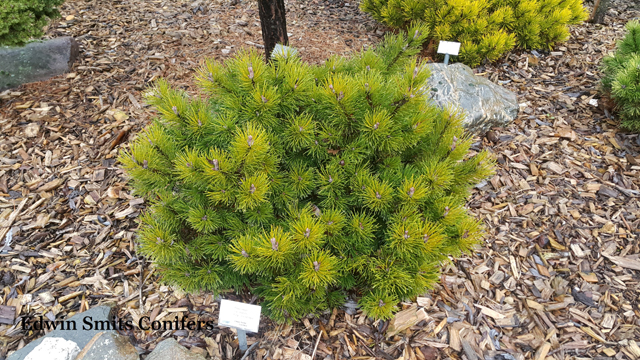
{"x":624,"y":262}
{"x":7,"y":314}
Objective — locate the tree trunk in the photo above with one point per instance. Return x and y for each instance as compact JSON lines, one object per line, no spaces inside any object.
{"x":274,"y":24}
{"x":599,"y":10}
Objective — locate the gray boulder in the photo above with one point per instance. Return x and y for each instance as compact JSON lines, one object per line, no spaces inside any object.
{"x":170,"y":349}
{"x":81,"y":335}
{"x":36,"y":61}
{"x":54,"y":349}
{"x":485,"y":104}
{"x":109,"y":346}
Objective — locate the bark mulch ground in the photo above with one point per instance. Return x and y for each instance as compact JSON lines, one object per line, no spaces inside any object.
{"x":558,"y":275}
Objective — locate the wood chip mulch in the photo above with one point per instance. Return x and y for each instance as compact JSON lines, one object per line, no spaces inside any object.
{"x":559,"y":273}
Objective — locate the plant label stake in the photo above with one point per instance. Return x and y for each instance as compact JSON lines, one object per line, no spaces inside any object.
{"x":243,"y":317}
{"x":448,"y":48}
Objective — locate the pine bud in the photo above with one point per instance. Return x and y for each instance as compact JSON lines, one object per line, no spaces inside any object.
{"x":446,"y":211}
{"x":406,"y":234}
{"x":381,"y":303}
{"x":250,"y":71}
{"x":331,"y":87}
{"x":301,"y":128}
{"x":368,"y":68}
{"x":454,"y":144}
{"x":316,"y":266}
{"x":186,"y":274}
{"x":145,"y":164}
{"x":244,"y":253}
{"x":214,"y":162}
{"x":376,"y":125}
{"x":204,"y":218}
{"x":412,"y":190}
{"x":341,"y":162}
{"x":210,"y":77}
{"x":199,"y":122}
{"x":361,"y":227}
{"x":189,"y":165}
{"x":378,"y":196}
{"x":159,"y":241}
{"x":307,"y":233}
{"x":250,"y":140}
{"x":175,"y":110}
{"x":274,"y":244}
{"x":295,"y":86}
{"x":330,"y":179}
{"x":316,"y":211}
{"x":415,"y":72}
{"x":466,"y":234}
{"x":366,"y":87}
{"x":417,"y":33}
{"x":340,"y":96}
{"x":252,"y":189}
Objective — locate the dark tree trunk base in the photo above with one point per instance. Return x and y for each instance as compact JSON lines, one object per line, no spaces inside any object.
{"x":274,"y":24}
{"x":599,"y":10}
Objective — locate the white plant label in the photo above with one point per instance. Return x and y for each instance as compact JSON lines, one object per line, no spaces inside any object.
{"x":239,"y":315}
{"x":449,"y":47}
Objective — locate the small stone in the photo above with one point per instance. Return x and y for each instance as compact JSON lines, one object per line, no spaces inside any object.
{"x":170,"y":350}
{"x":54,"y":348}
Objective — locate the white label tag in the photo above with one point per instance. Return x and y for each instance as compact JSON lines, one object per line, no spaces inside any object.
{"x":239,"y":315}
{"x":449,"y":47}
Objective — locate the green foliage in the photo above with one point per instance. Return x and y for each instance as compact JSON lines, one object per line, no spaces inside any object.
{"x":307,"y":183}
{"x":486,"y":28}
{"x":621,"y":78}
{"x":21,"y":20}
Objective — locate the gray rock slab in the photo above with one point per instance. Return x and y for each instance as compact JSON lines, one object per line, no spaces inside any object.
{"x":485,"y":104}
{"x":36,"y":61}
{"x":109,"y":346}
{"x":54,"y":349}
{"x":170,"y":349}
{"x":80,"y":336}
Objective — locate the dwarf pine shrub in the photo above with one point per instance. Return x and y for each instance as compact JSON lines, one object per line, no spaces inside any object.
{"x":307,"y":183}
{"x":486,"y":28}
{"x":621,"y":78}
{"x":21,"y":20}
